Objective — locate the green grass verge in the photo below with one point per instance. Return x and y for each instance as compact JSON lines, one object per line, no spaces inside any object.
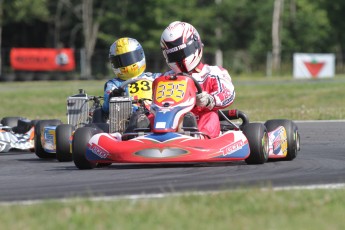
{"x":260,"y":98}
{"x":239,"y":209}
{"x":42,"y":99}
{"x":269,"y":98}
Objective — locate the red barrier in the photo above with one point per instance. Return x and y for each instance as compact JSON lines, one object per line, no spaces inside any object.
{"x":42,"y":59}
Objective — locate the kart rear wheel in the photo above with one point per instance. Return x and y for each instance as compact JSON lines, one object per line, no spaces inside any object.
{"x":293,"y":138}
{"x":257,"y":136}
{"x":39,"y":127}
{"x":63,"y":147}
{"x":81,"y":138}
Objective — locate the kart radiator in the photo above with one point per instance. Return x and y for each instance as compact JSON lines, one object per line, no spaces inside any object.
{"x":77,"y":110}
{"x":120,"y":110}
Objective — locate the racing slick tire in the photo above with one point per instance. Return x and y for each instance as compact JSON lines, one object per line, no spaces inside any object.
{"x":63,"y":147}
{"x":257,"y":136}
{"x":10,"y":121}
{"x":292,"y":134}
{"x":39,"y":151}
{"x":81,"y":138}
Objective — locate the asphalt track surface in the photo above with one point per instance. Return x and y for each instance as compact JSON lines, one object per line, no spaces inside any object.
{"x":321,"y":161}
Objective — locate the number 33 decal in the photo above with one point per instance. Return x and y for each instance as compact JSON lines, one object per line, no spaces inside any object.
{"x":140,"y":86}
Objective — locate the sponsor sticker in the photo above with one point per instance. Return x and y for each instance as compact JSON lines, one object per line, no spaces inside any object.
{"x":160,"y":125}
{"x":172,"y":50}
{"x":99,"y":151}
{"x":232,"y":147}
{"x":279,"y":140}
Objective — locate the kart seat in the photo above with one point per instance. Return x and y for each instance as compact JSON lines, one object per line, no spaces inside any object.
{"x":138,"y":122}
{"x":189,"y":123}
{"x":23,"y":126}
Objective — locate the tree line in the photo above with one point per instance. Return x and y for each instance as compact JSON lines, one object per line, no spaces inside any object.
{"x":242,"y":32}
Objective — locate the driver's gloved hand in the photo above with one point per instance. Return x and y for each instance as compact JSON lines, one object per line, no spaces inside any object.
{"x":116,"y":92}
{"x":205,"y":100}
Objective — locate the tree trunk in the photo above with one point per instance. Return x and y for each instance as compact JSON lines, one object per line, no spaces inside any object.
{"x":90,"y":29}
{"x":218,"y":34}
{"x":276,"y":39}
{"x":57,"y":23}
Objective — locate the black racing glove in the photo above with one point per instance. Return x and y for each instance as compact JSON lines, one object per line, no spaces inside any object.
{"x":118,"y":92}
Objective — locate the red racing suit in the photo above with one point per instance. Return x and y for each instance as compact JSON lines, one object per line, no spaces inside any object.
{"x":217,"y":82}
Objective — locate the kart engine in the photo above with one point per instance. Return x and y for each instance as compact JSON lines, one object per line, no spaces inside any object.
{"x":120,"y":110}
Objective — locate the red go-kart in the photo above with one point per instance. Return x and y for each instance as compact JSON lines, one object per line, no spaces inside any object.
{"x":173,"y":137}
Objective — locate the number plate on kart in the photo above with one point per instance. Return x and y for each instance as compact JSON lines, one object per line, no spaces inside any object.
{"x":140,"y":89}
{"x":174,"y":90}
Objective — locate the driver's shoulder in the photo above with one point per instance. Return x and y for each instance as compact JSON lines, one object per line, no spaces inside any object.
{"x":214,"y":70}
{"x":114,"y":82}
{"x":150,"y":75}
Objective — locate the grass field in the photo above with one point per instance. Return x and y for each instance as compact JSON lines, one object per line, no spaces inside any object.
{"x":260,"y":98}
{"x":293,"y":99}
{"x":239,"y":209}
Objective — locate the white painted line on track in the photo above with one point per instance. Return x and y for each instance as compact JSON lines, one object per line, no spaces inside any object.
{"x":310,"y":187}
{"x":163,"y":195}
{"x":318,"y":121}
{"x":312,"y":121}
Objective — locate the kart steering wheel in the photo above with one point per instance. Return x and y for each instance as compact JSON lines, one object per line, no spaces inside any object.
{"x":127,"y":82}
{"x":196,"y":83}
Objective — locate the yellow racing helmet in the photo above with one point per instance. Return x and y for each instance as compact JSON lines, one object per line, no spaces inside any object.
{"x":127,"y":58}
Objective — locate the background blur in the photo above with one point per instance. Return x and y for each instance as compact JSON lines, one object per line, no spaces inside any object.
{"x":248,"y":37}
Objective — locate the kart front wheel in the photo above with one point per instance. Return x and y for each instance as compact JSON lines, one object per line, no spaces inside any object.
{"x":81,"y":138}
{"x":39,"y":131}
{"x":63,"y":147}
{"x":257,"y":136}
{"x":293,"y":138}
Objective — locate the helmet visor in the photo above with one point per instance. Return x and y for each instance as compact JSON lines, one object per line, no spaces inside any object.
{"x":177,"y":54}
{"x":127,"y":59}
